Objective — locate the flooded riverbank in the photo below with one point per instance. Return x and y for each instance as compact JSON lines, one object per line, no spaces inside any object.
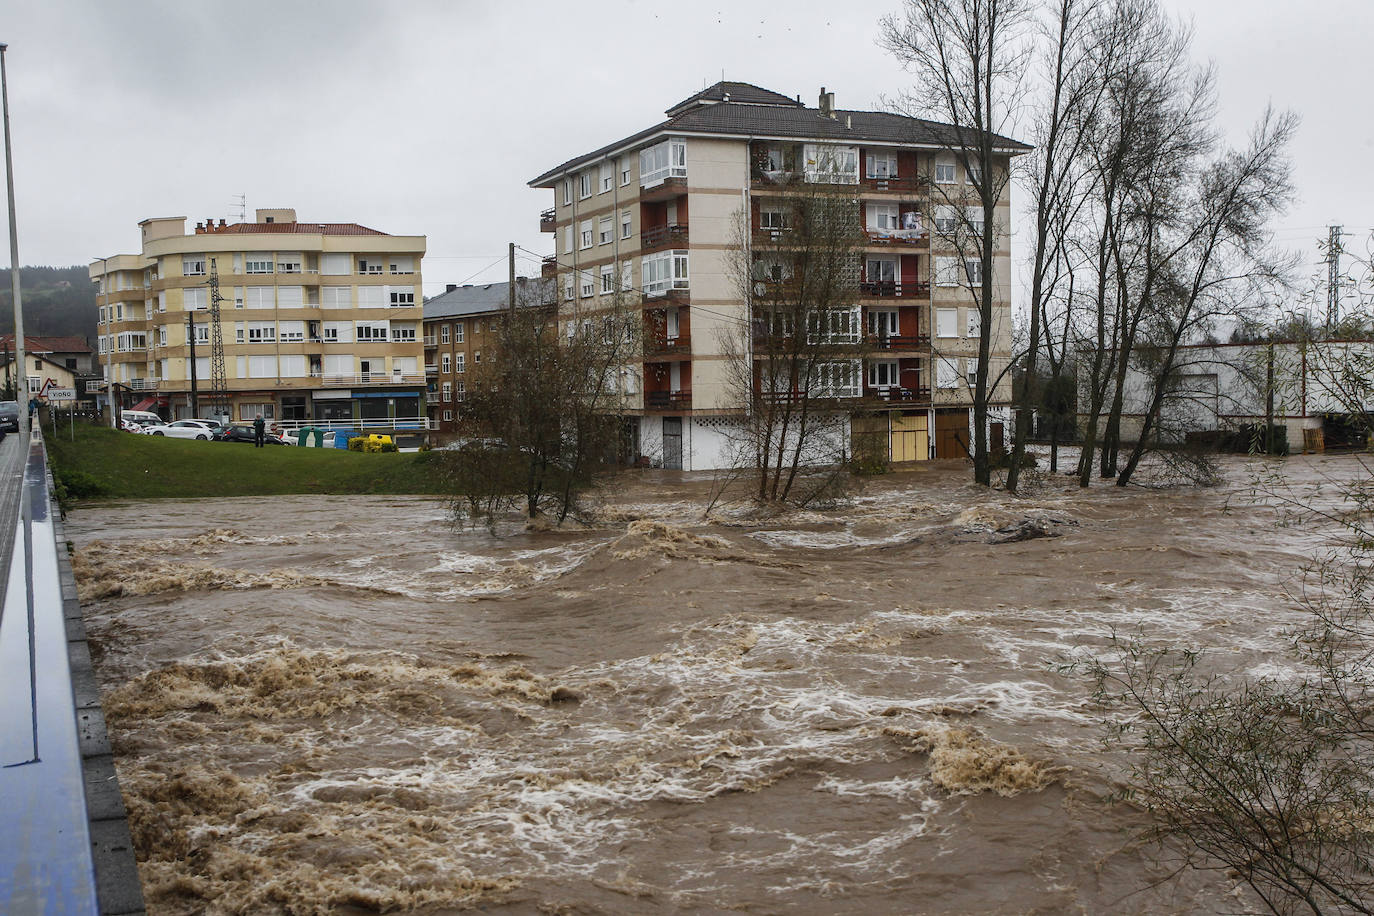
{"x":346,"y":705}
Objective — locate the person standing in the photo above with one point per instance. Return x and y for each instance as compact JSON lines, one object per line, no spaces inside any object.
{"x":258,"y":426}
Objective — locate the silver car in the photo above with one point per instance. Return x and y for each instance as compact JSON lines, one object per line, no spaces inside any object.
{"x":183,"y":429}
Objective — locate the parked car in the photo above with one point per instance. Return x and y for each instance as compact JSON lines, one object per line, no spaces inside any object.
{"x":9,"y":416}
{"x":135,"y":421}
{"x":183,"y":429}
{"x":243,"y":432}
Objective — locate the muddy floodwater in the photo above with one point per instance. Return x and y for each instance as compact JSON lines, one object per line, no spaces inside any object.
{"x":349,"y":706}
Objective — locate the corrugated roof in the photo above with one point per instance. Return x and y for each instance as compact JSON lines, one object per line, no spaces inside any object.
{"x":490,"y":297}
{"x":297,"y":228}
{"x":738,"y":118}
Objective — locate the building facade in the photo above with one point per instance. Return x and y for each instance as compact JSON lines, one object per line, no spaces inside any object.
{"x":666,"y":216}
{"x":461,"y":328}
{"x":319,"y":322}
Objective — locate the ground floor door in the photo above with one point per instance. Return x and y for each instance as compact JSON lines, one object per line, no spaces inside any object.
{"x":672,"y":443}
{"x":910,"y":437}
{"x":951,"y":433}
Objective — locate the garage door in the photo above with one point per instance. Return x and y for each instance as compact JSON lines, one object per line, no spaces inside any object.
{"x":910,"y":437}
{"x":951,"y":434}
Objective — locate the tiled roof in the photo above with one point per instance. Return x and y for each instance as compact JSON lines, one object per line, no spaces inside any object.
{"x":491,"y":297}
{"x":738,"y":118}
{"x":34,"y":344}
{"x":293,"y":228}
{"x":723,"y":91}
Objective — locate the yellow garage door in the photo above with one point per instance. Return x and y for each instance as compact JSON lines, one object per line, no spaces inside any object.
{"x":910,"y":438}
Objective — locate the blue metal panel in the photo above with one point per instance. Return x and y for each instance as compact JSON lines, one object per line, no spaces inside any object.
{"x":45,"y":845}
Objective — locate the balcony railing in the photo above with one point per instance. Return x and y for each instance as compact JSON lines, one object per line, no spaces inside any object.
{"x":370,"y":378}
{"x":661,"y":236}
{"x":668,"y":400}
{"x":674,"y":347}
{"x":897,"y":395}
{"x":431,"y":397}
{"x":395,"y":423}
{"x":916,"y":237}
{"x":431,"y":369}
{"x":141,"y":384}
{"x":912,"y":183}
{"x":894,"y":289}
{"x":430,"y":341}
{"x":776,"y":177}
{"x":897,"y":341}
{"x":670,"y":187}
{"x":547,"y":223}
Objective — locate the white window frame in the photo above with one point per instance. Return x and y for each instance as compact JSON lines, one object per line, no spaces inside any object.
{"x":584,"y":185}
{"x":971,"y":373}
{"x":567,"y":191}
{"x":945,"y":173}
{"x":261,"y":332}
{"x":289,"y":262}
{"x":607,"y":175}
{"x":946,"y":323}
{"x":444,"y":332}
{"x":446,"y":363}
{"x":883,"y":322}
{"x":947,"y":271}
{"x":193,"y":265}
{"x":974,"y":320}
{"x":880,"y":163}
{"x":291,"y":331}
{"x":459,"y":330}
{"x":607,"y":279}
{"x":884,"y":373}
{"x":841,"y":378}
{"x":460,"y":363}
{"x":401,"y":298}
{"x":973,"y":270}
{"x":605,"y":230}
{"x":585,"y":235}
{"x":662,"y":161}
{"x":663,"y":271}
{"x":626,"y":223}
{"x":883,"y":216}
{"x":946,"y":373}
{"x":376,"y":331}
{"x":258,"y":262}
{"x":624,"y":171}
{"x":587,"y":287}
{"x":831,"y":163}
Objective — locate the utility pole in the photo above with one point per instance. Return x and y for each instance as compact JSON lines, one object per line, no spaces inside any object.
{"x":219,"y":383}
{"x":21,"y":373}
{"x":511,"y":259}
{"x":191,"y":342}
{"x":1333,"y":277}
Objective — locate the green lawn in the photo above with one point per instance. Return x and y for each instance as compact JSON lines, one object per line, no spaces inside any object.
{"x":107,"y":463}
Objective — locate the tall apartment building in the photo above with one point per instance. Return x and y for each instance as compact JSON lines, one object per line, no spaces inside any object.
{"x":319,"y":321}
{"x":666,"y":212}
{"x":461,"y":328}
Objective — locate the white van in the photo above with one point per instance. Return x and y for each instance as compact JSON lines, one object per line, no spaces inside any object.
{"x":131,"y":419}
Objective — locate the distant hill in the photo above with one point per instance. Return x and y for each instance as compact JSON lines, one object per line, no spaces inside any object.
{"x":58,"y":302}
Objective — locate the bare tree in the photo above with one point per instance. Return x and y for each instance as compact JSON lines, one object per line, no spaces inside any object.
{"x":968,"y":58}
{"x":798,"y":365}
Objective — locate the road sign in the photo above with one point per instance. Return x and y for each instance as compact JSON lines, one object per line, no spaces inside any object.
{"x":61,"y":394}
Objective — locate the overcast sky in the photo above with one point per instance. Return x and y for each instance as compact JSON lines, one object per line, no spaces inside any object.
{"x":428,"y":117}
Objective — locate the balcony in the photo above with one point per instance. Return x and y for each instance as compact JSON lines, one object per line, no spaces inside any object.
{"x":918,"y":238}
{"x":896,"y":395}
{"x":141,"y":384}
{"x":370,"y":378}
{"x":654,"y":237}
{"x":668,"y":400}
{"x":912,"y":184}
{"x":667,"y":189}
{"x":678,"y":347}
{"x":897,"y":341}
{"x":548,"y":267}
{"x":547,"y":223}
{"x":430,"y":341}
{"x":894,"y":289}
{"x":773,"y":178}
{"x":431,"y":397}
{"x":431,"y":369}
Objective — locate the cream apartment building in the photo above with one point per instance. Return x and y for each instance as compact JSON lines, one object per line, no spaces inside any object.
{"x":320,"y":322}
{"x":663,"y":217}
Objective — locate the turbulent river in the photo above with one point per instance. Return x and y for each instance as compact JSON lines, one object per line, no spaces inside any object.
{"x":347,"y":705}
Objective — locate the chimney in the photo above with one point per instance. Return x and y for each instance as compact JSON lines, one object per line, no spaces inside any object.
{"x":200,"y":228}
{"x":827,"y":104}
{"x":221,"y":224}
{"x":849,"y":122}
{"x":450,"y":287}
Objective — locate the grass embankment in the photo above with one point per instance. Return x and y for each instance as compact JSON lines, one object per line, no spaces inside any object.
{"x":107,"y":463}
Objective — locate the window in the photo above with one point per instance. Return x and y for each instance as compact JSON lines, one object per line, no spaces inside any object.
{"x":458,"y":328}
{"x":588,"y":285}
{"x":369,"y":266}
{"x":194,"y":300}
{"x":443,"y":333}
{"x":973,"y":269}
{"x":262,"y":332}
{"x":401,"y":299}
{"x":288,"y":262}
{"x":161,"y":342}
{"x":335,"y":264}
{"x":402,"y":264}
{"x":883,"y":217}
{"x":838,"y":379}
{"x":607,"y":278}
{"x":290,"y":297}
{"x":586,"y":234}
{"x":253,"y":411}
{"x":626,"y":283}
{"x":946,"y":322}
{"x":258,"y":263}
{"x":607,"y":176}
{"x":403,"y":333}
{"x":773,"y":218}
{"x":605,"y":232}
{"x":336,"y":297}
{"x":448,"y":416}
{"x":975,"y":322}
{"x":946,"y":373}
{"x":260,"y":297}
{"x":883,"y":373}
{"x":262,"y":366}
{"x":193,"y":265}
{"x":585,"y":185}
{"x":460,"y":363}
{"x":836,"y":325}
{"x":975,"y":218}
{"x":337,"y":364}
{"x":461,"y":389}
{"x":882,"y":323}
{"x":162,"y":301}
{"x":292,"y":331}
{"x":293,"y":366}
{"x":947,"y":271}
{"x":881,"y":164}
{"x":662,"y":161}
{"x":569,"y":285}
{"x":946,"y":219}
{"x":624,"y":172}
{"x":831,"y":164}
{"x":944,"y":174}
{"x":338,"y":332}
{"x":975,"y":173}
{"x":476,"y":356}
{"x":372,"y":330}
{"x":625,"y":222}
{"x":238,"y":332}
{"x":882,"y":272}
{"x":371,"y":297}
{"x":971,"y":372}
{"x":663,"y":271}
{"x":445,"y":363}
{"x":567,"y":191}
{"x":447,"y":390}
{"x":567,"y":238}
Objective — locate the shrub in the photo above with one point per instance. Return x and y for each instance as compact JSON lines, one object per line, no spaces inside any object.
{"x":356,"y":443}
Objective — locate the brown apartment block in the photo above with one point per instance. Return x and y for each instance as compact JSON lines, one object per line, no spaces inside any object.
{"x":662,"y":209}
{"x":461,"y":331}
{"x":320,"y":322}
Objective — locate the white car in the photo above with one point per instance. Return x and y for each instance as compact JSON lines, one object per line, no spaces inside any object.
{"x":183,"y":429}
